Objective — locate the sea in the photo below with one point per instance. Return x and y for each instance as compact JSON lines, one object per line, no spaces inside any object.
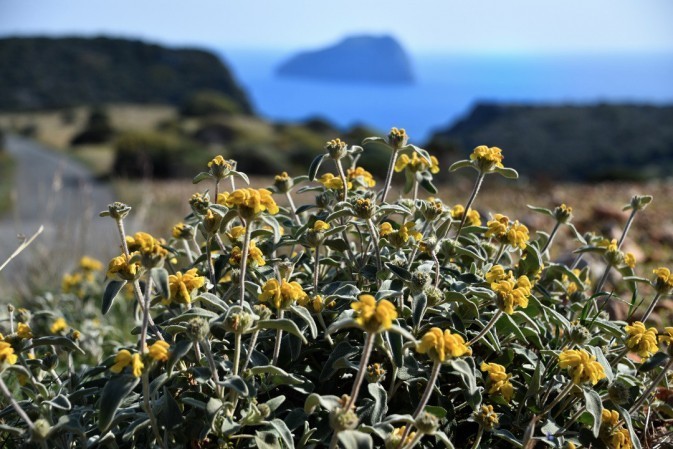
{"x":449,"y":85}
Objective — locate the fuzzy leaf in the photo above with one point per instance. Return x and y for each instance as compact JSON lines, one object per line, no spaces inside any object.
{"x":288,"y":326}
{"x":315,"y":166}
{"x":112,"y":289}
{"x":114,"y":392}
{"x":594,"y":406}
{"x":461,"y":164}
{"x":160,"y":278}
{"x":201,"y":177}
{"x":352,"y":439}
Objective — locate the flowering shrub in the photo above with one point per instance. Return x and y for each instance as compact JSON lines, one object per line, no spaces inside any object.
{"x":351,"y":321}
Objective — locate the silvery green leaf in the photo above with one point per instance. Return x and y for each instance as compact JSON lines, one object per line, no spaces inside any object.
{"x":461,"y":164}
{"x":284,"y":324}
{"x":114,"y":392}
{"x":315,"y":166}
{"x":352,"y":439}
{"x":242,"y":175}
{"x":542,"y":210}
{"x":327,"y":402}
{"x":576,"y":233}
{"x":507,"y":172}
{"x":160,"y":278}
{"x":201,"y":177}
{"x":594,"y":406}
{"x":111,"y":291}
{"x":305,"y":315}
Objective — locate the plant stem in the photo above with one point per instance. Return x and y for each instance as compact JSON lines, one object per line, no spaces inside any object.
{"x":122,"y":235}
{"x":188,"y":251}
{"x":340,"y":169}
{"x":205,"y":345}
{"x":146,"y":315}
{"x":629,"y":222}
{"x":473,"y":195}
{"x":364,"y":360}
{"x":604,"y":278}
{"x":293,"y":208}
{"x":558,"y":399}
{"x":415,"y":189}
{"x":424,"y":399}
{"x":389,"y":176}
{"x":279,"y":336}
{"x":237,"y":352}
{"x":434,"y":257}
{"x":487,"y":328}
{"x":551,"y":237}
{"x":499,"y":254}
{"x":375,"y":241}
{"x":15,"y":405}
{"x":148,"y":409}
{"x":650,"y":309}
{"x":652,"y":386}
{"x":251,"y":347}
{"x":244,"y":260}
{"x":479,"y":435}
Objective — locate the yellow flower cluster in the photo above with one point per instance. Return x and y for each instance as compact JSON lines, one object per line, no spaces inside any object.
{"x":582,"y":366}
{"x":487,"y":417}
{"x":24,"y":331}
{"x":333,"y":182}
{"x":441,"y":346}
{"x":89,"y":264}
{"x":400,"y":237}
{"x":59,"y":325}
{"x":320,"y":226}
{"x":641,"y":340}
{"x":630,"y":260}
{"x":146,"y":245}
{"x":396,"y":437}
{"x":7,"y":353}
{"x":498,"y":380}
{"x":416,"y":163}
{"x":360,"y":176}
{"x":373,"y":316}
{"x":121,"y":268}
{"x":255,"y":255}
{"x":317,"y":303}
{"x":250,"y":202}
{"x":282,"y":294}
{"x":473,"y":217}
{"x":219,"y":161}
{"x":124,"y":359}
{"x":614,"y":436}
{"x":511,"y":292}
{"x":667,"y":337}
{"x":515,"y":234}
{"x":182,"y":285}
{"x":664,"y":280}
{"x":159,"y":351}
{"x":487,"y":158}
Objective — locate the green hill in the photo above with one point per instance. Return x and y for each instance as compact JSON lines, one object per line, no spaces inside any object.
{"x":45,"y":73}
{"x":569,"y":142}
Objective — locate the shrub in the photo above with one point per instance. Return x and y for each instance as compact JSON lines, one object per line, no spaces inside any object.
{"x":209,"y":102}
{"x":97,"y":129}
{"x":350,"y":321}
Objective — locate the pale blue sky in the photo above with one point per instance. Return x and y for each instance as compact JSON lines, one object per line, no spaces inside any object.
{"x":474,"y":26}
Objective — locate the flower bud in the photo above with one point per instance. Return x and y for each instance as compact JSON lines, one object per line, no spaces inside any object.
{"x":640,"y":202}
{"x":41,"y":429}
{"x":212,"y":221}
{"x":198,"y":329}
{"x":238,"y":322}
{"x":579,"y":335}
{"x":563,"y":213}
{"x":342,"y":419}
{"x":262,"y":311}
{"x":435,"y":295}
{"x":22,"y":315}
{"x":325,"y":200}
{"x":420,"y":280}
{"x":49,"y":362}
{"x":375,"y":373}
{"x":283,"y":183}
{"x":427,"y":423}
{"x":364,"y":208}
{"x":398,"y":138}
{"x":486,"y":417}
{"x":336,"y":149}
{"x":200,"y":203}
{"x":116,"y":210}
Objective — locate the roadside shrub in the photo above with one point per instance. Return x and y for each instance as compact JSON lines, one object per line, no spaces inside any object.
{"x":209,"y":102}
{"x":351,"y":321}
{"x":97,"y":129}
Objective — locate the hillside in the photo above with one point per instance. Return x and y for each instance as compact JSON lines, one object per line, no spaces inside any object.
{"x":359,"y":59}
{"x":569,"y":142}
{"x":45,"y":73}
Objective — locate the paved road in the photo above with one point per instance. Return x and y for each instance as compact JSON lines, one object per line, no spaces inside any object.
{"x":55,"y":191}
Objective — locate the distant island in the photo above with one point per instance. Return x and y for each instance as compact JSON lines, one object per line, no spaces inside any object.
{"x":45,"y":73}
{"x":357,"y":59}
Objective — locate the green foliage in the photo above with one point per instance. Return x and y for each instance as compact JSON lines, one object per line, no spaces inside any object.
{"x":47,"y":73}
{"x":97,"y":129}
{"x":347,"y":322}
{"x":207,"y":103}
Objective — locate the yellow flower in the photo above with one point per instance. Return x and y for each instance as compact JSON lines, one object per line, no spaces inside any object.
{"x":122,"y":360}
{"x":630,"y":260}
{"x":24,"y":331}
{"x":512,"y":293}
{"x":385,"y":229}
{"x":398,"y":433}
{"x":664,"y":281}
{"x":641,"y":340}
{"x":146,"y":245}
{"x":320,"y":225}
{"x":373,"y":316}
{"x":333,"y":182}
{"x":473,"y":217}
{"x":121,"y":269}
{"x":441,"y":346}
{"x":282,"y":294}
{"x":517,"y":235}
{"x":7,"y":353}
{"x":582,"y":366}
{"x":498,"y":380}
{"x":71,"y":283}
{"x":666,"y":338}
{"x":181,"y":285}
{"x":159,"y":351}
{"x":496,"y":274}
{"x":90,"y":264}
{"x":498,"y":226}
{"x":219,"y":161}
{"x":236,"y":233}
{"x":487,"y":158}
{"x":251,"y":202}
{"x":137,"y":365}
{"x":416,"y":163}
{"x":58,"y":326}
{"x":407,"y":230}
{"x":360,"y":176}
{"x":614,"y":436}
{"x":255,"y":255}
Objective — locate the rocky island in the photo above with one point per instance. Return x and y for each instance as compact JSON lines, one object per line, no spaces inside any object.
{"x":356,"y":59}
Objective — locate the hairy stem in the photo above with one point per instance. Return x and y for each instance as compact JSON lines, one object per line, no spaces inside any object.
{"x":342,"y":175}
{"x":652,"y":386}
{"x":251,"y":347}
{"x":15,"y":405}
{"x":487,"y":328}
{"x":293,"y":208}
{"x":551,"y":237}
{"x":279,"y":336}
{"x":389,"y":176}
{"x":650,"y":309}
{"x":473,"y":195}
{"x":148,"y":409}
{"x":244,"y":260}
{"x":362,"y":369}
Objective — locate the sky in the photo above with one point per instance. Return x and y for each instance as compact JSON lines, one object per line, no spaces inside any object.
{"x":456,"y":26}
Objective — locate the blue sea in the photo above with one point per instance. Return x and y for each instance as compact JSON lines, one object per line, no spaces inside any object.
{"x":448,"y":86}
